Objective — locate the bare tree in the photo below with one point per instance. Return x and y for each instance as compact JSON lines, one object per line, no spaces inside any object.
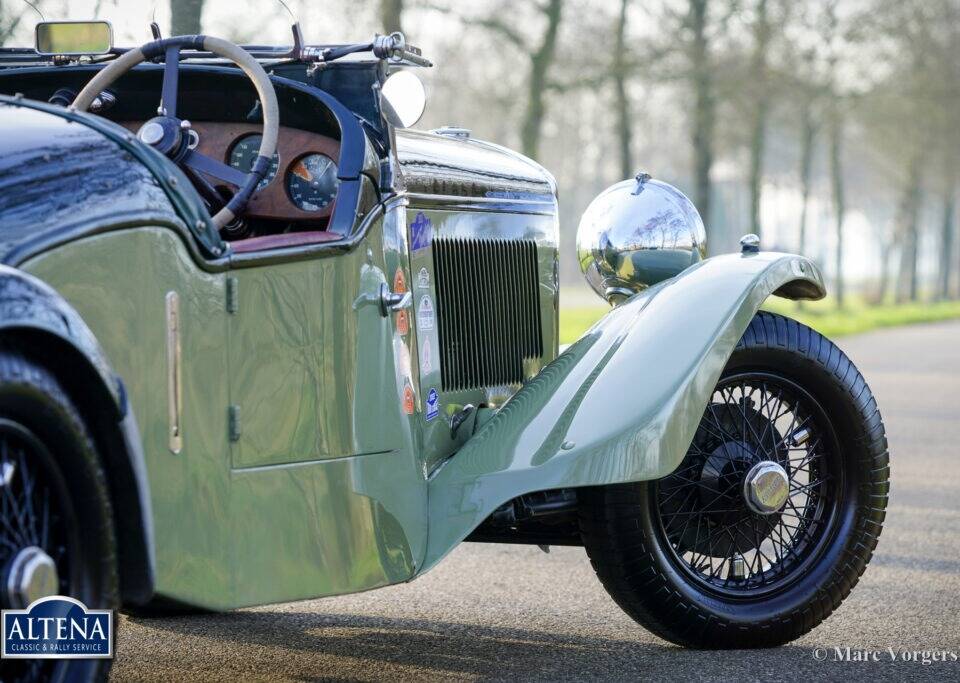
{"x":823,"y":82}
{"x":915,"y":115}
{"x":947,"y":230}
{"x":621,"y":99}
{"x":838,"y":190}
{"x":831,"y":31}
{"x":185,"y":17}
{"x":538,"y":53}
{"x":909,"y":226}
{"x":540,"y":60}
{"x":704,"y":105}
{"x":808,"y":139}
{"x":684,"y":52}
{"x":760,"y":101}
{"x":811,"y":37}
{"x":391,"y":15}
{"x":809,"y":127}
{"x":13,"y":14}
{"x":949,"y":124}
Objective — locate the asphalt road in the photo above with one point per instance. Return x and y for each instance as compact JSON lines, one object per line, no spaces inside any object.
{"x":504,"y":612}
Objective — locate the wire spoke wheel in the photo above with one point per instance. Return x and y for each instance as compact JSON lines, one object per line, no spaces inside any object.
{"x":56,"y":528}
{"x":36,"y":519}
{"x":773,"y":513}
{"x":721,"y":535}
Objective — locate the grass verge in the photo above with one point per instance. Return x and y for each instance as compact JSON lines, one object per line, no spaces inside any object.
{"x":856,"y":316}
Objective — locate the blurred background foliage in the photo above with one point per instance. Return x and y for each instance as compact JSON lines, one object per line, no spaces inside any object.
{"x":828,"y":127}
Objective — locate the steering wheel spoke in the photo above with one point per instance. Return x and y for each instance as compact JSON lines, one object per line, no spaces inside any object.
{"x":164,"y":133}
{"x":171,"y":78}
{"x":204,"y":164}
{"x":205,"y":188}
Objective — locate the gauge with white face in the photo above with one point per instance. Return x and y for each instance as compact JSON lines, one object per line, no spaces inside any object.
{"x":312,"y":182}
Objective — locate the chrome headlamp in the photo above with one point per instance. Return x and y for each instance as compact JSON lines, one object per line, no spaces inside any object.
{"x":636,"y":234}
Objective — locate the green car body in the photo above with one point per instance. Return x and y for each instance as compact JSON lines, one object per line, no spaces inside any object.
{"x":274,"y":445}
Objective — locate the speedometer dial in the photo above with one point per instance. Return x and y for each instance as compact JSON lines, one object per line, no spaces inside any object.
{"x":312,"y":182}
{"x":244,"y":154}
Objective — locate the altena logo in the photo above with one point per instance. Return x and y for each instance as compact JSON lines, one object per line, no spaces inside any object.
{"x":57,"y":627}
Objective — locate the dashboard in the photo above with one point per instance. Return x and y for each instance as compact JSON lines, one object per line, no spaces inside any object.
{"x":301,"y":184}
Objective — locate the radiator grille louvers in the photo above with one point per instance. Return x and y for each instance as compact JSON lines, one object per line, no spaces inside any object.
{"x":488,"y":310}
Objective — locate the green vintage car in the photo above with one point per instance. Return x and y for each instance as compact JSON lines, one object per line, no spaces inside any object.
{"x":260,"y":342}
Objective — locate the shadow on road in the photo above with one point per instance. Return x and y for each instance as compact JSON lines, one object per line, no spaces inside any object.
{"x":337,"y":644}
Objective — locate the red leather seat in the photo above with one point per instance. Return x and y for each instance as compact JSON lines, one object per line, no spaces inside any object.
{"x":286,"y":239}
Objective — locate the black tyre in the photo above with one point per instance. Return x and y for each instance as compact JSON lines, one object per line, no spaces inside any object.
{"x":55,"y":500}
{"x":773,"y":514}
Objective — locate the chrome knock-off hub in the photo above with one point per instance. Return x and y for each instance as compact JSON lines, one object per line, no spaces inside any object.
{"x":766,"y":487}
{"x":32,"y":575}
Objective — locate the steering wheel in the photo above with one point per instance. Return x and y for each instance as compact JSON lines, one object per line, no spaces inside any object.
{"x":171,"y":136}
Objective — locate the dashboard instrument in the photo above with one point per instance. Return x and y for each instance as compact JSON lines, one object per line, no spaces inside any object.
{"x":301,"y":184}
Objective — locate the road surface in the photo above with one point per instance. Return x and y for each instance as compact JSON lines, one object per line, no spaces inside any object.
{"x":511,"y":612}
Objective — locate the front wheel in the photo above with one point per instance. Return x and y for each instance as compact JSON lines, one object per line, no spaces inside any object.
{"x":774,"y":512}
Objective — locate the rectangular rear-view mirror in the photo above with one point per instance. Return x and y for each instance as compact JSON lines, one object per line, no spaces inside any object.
{"x":74,"y":37}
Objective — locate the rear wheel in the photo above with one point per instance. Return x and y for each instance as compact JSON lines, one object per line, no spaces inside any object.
{"x":57,"y":535}
{"x":773,"y":514}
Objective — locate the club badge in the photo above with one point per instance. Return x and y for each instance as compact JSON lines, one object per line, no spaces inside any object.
{"x":425,"y":314}
{"x":433,"y":404}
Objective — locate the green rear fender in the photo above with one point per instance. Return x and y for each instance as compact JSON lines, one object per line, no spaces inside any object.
{"x":622,"y":403}
{"x":40,"y":322}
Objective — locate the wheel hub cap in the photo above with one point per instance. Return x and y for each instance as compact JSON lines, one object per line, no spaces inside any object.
{"x":32,"y":575}
{"x":162,"y":133}
{"x":151,"y":133}
{"x":766,"y":487}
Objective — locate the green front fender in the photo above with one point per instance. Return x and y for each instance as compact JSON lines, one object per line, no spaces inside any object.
{"x":622,"y":403}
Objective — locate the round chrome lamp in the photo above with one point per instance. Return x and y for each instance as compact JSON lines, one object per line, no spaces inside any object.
{"x":638,"y":233}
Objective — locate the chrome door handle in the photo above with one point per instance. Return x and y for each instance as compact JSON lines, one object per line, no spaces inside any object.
{"x":390,"y":301}
{"x":385,"y":300}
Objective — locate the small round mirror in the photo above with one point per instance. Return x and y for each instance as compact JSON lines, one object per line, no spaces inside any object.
{"x":402,"y":99}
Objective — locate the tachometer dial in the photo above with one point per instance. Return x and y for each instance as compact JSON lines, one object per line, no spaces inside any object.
{"x":244,"y":154}
{"x":312,"y":182}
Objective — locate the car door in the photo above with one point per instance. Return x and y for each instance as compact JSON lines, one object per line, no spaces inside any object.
{"x":301,"y":360}
{"x":328,"y":489}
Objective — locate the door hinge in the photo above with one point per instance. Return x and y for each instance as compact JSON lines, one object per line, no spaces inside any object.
{"x":233,"y":295}
{"x":233,"y":422}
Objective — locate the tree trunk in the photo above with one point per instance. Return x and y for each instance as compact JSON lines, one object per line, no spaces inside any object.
{"x":886,"y":251}
{"x":624,"y":122}
{"x":391,"y":15}
{"x":808,"y":137}
{"x":757,"y":141}
{"x":946,"y":244}
{"x":704,"y":107}
{"x":808,"y":133}
{"x":185,"y":17}
{"x":761,"y":106}
{"x":907,"y":287}
{"x":540,"y":62}
{"x":909,"y":227}
{"x":839,"y":199}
